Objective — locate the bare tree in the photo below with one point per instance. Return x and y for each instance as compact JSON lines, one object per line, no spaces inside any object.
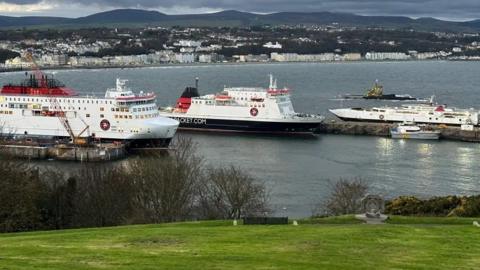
{"x":104,"y":196}
{"x":22,"y":196}
{"x":166,"y":185}
{"x":345,"y":197}
{"x":231,"y":193}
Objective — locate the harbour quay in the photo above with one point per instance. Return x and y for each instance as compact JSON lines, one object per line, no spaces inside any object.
{"x":454,"y":133}
{"x":94,"y":153}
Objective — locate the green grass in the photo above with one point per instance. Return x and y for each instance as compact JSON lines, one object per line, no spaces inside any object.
{"x":331,"y":243}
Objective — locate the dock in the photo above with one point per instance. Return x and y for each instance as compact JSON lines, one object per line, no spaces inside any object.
{"x":93,"y":153}
{"x":453,"y":133}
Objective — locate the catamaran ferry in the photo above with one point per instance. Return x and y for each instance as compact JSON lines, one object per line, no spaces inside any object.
{"x":42,"y":106}
{"x":254,"y":110}
{"x":420,"y":113}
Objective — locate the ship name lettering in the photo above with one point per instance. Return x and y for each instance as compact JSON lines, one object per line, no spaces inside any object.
{"x":195,"y":121}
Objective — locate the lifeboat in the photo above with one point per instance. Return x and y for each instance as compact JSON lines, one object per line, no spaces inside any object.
{"x":256,"y":99}
{"x":222,"y":97}
{"x":276,"y":92}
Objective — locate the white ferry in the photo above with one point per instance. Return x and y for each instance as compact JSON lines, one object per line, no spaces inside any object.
{"x":420,"y":113}
{"x":242,"y":109}
{"x":46,"y":108}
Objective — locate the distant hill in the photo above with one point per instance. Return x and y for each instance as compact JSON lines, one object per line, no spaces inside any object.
{"x":137,"y":17}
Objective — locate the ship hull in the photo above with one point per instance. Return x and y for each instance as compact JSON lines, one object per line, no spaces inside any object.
{"x":247,"y":126}
{"x":390,"y":121}
{"x":391,"y":97}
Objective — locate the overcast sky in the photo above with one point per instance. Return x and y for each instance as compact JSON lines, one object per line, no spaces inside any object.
{"x":443,"y":9}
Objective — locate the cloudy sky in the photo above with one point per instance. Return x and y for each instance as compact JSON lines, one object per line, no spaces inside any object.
{"x":443,"y":9}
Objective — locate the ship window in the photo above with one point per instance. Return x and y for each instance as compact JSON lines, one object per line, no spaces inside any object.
{"x":130,"y":117}
{"x":102,"y":116}
{"x":116,"y":116}
{"x":88,"y":115}
{"x":117,"y":109}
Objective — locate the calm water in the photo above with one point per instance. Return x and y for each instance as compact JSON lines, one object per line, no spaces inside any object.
{"x":297,"y":171}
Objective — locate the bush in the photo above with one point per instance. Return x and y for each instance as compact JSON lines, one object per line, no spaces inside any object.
{"x":436,"y":206}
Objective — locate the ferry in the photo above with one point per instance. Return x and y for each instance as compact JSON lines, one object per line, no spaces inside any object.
{"x":242,"y":109}
{"x":41,"y":106}
{"x":419,"y":113}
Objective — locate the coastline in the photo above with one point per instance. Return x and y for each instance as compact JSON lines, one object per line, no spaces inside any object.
{"x":196,"y":64}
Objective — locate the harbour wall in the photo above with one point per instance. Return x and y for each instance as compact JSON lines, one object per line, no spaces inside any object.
{"x":65,"y":152}
{"x":383,"y":129}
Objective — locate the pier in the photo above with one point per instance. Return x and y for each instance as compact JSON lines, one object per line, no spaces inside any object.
{"x":383,"y":129}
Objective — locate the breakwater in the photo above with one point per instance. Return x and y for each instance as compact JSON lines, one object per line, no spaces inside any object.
{"x":383,"y":129}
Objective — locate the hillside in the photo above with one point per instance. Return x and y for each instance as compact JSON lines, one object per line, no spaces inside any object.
{"x":136,"y":17}
{"x":338,"y":243}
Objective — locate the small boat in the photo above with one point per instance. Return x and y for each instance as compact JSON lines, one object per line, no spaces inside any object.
{"x":412,"y":131}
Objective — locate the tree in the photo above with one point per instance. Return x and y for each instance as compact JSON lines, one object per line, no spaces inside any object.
{"x":345,"y":198}
{"x":104,"y":196}
{"x":231,"y":193}
{"x":166,"y":185}
{"x":22,"y":197}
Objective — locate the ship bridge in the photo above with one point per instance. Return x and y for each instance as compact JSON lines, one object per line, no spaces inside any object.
{"x":126,"y":97}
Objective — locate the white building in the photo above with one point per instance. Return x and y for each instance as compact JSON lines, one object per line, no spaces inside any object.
{"x":379,"y":56}
{"x":184,"y":57}
{"x":270,"y":45}
{"x":188,"y":43}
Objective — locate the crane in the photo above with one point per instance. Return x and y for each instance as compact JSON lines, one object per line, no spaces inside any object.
{"x":59,"y":112}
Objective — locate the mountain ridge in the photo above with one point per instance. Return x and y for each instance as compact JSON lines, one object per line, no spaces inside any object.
{"x":239,"y":18}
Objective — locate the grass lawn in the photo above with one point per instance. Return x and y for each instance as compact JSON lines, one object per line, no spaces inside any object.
{"x":331,"y":243}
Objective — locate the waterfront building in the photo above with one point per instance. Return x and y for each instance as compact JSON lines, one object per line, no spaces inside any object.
{"x":378,"y":56}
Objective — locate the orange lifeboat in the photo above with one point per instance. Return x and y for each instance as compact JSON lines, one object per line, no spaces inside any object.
{"x":256,"y":99}
{"x":222,"y":97}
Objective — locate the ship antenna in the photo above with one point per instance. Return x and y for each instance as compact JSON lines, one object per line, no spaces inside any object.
{"x":271,"y":81}
{"x":196,"y":82}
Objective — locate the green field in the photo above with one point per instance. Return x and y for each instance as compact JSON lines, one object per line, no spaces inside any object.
{"x":333,"y":243}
